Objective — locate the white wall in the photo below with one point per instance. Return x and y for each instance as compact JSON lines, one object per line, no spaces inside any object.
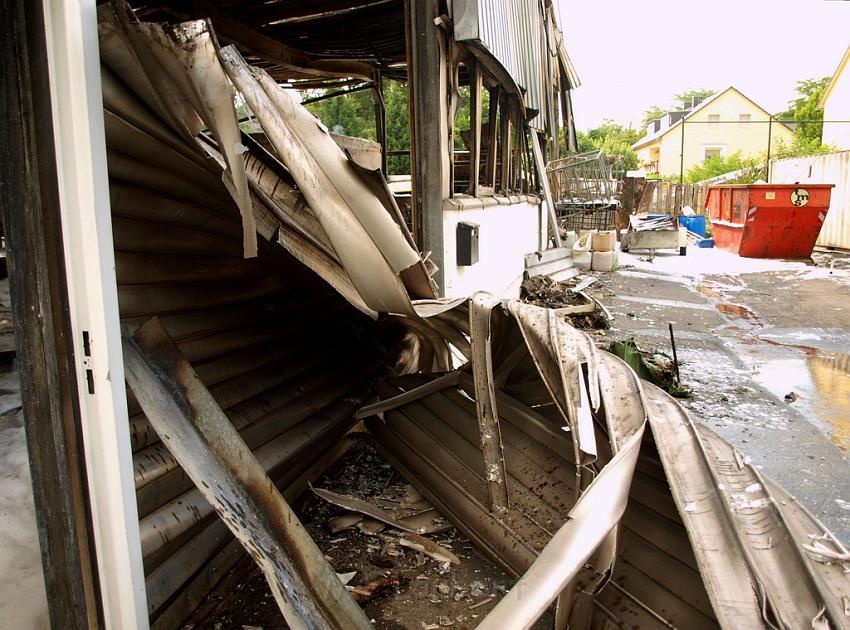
{"x":837,"y":107}
{"x":829,"y":168}
{"x":510,"y":227}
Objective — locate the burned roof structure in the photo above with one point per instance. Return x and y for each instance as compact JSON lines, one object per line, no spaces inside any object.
{"x":263,"y":290}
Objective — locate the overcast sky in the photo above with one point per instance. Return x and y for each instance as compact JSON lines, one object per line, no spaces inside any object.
{"x":632,"y":55}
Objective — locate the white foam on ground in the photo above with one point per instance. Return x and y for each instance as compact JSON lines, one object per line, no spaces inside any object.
{"x":701,"y":262}
{"x":23,"y":602}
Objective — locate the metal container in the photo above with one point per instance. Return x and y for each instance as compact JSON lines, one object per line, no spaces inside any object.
{"x":768,"y":220}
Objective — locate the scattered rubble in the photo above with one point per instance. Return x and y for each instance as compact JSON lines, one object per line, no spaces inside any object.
{"x":398,"y":586}
{"x":569,"y":299}
{"x":543,"y":291}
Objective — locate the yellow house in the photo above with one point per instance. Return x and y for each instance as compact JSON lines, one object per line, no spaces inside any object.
{"x":835,"y":103}
{"x":720,"y":125}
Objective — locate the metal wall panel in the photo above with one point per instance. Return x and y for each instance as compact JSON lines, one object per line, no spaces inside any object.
{"x":830,"y":168}
{"x":514,"y":33}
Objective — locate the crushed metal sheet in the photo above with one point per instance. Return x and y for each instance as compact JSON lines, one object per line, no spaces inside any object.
{"x":416,"y":524}
{"x":428,"y":547}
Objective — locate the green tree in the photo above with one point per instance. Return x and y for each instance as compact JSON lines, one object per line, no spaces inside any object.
{"x":807,"y":136}
{"x":690,"y":94}
{"x":398,"y":131}
{"x":349,"y":115}
{"x":614,"y":140}
{"x":752,"y":168}
{"x":651,"y":114}
{"x":354,"y":115}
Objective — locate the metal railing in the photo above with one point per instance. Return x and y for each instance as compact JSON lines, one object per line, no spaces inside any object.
{"x":581,"y":180}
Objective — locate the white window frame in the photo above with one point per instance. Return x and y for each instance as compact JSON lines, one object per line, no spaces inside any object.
{"x":744,"y":120}
{"x":724,"y":150}
{"x":714,"y":120}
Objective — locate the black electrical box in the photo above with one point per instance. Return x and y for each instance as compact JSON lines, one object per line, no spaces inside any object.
{"x":467,"y":244}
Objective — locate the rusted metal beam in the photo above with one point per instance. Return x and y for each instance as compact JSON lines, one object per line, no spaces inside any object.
{"x":221,"y":465}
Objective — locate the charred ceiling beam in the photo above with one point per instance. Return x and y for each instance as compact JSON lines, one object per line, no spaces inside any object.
{"x":272,"y":50}
{"x":288,"y":12}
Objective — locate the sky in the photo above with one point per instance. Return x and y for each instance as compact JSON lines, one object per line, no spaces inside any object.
{"x":630,"y":56}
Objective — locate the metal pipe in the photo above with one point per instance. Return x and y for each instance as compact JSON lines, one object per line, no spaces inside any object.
{"x":357,"y":88}
{"x":769,"y":130}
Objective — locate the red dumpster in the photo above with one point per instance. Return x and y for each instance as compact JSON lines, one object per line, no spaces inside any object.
{"x":768,"y":220}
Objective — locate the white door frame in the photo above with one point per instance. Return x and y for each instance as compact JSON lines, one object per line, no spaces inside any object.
{"x":77,"y":105}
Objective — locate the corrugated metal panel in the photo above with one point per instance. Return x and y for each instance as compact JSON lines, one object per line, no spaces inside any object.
{"x":830,"y":168}
{"x":514,"y":33}
{"x":283,"y":354}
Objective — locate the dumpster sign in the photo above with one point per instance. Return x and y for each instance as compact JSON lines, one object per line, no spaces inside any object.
{"x":800,"y":197}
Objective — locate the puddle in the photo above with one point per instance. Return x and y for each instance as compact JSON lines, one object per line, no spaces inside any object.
{"x":709,"y":292}
{"x":735,"y":311}
{"x":819,"y":378}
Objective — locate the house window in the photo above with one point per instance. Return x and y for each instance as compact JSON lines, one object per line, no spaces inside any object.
{"x":713,"y":150}
{"x":744,"y":120}
{"x":714,"y":120}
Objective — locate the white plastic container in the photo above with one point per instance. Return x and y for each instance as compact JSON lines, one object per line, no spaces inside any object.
{"x":603,"y":261}
{"x":582,"y":256}
{"x":604,"y":241}
{"x":569,"y":239}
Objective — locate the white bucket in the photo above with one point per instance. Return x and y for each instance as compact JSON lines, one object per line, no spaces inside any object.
{"x":603,"y":261}
{"x":582,"y":256}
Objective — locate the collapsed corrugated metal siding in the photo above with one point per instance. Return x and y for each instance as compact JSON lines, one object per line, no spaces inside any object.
{"x":442,"y":428}
{"x":831,"y":168}
{"x":493,"y":453}
{"x":284,"y":355}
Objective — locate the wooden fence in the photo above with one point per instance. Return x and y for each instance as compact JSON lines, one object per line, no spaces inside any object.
{"x":640,"y":196}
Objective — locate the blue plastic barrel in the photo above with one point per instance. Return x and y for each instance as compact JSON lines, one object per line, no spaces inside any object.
{"x":694,"y":224}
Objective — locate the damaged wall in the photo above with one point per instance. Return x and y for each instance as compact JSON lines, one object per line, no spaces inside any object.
{"x":509,"y":228}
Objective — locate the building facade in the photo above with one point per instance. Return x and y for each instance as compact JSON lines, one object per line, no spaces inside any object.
{"x":723,"y":124}
{"x":835,"y":104}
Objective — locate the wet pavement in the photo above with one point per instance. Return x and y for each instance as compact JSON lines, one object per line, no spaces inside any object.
{"x":764,"y":346}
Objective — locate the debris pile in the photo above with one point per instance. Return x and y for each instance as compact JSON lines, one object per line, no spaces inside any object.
{"x":569,"y":299}
{"x":656,"y":367}
{"x":360,"y":515}
{"x":543,"y":291}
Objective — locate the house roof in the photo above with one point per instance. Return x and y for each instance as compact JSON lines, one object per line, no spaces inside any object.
{"x":842,"y":66}
{"x":658,"y":134}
